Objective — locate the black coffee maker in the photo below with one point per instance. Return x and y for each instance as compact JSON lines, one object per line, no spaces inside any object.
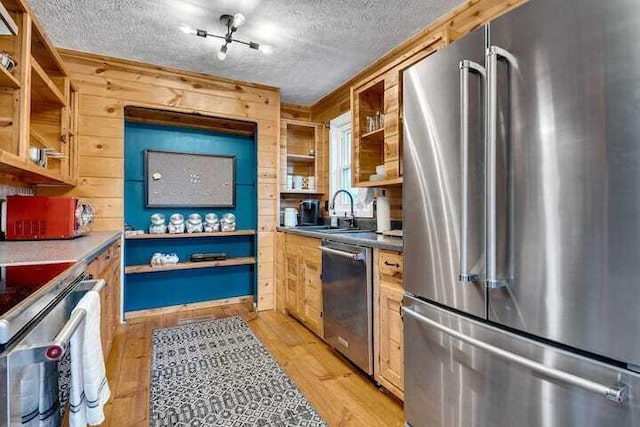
{"x":309,"y":212}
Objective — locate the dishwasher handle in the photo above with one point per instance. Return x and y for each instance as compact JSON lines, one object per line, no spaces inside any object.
{"x":354,"y":256}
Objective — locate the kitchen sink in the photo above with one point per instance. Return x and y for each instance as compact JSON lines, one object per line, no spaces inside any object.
{"x":321,"y":228}
{"x":331,"y":230}
{"x":345,"y":231}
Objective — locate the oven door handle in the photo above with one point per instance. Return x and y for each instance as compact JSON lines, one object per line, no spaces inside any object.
{"x":356,"y":257}
{"x":60,"y":344}
{"x":57,"y":348}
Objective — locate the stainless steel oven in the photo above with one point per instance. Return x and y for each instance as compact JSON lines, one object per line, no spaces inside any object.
{"x":34,"y":336}
{"x":347,"y":300}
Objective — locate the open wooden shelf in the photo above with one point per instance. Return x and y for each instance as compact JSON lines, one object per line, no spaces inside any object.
{"x":7,"y":79}
{"x":43,"y":90}
{"x":29,"y":172}
{"x":373,"y":135}
{"x":191,"y":235}
{"x":384,"y":183}
{"x":138,"y":269}
{"x":300,"y":158}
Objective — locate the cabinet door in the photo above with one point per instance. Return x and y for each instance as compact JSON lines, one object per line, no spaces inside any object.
{"x":281,"y":281}
{"x":391,"y":359}
{"x":115,"y":290}
{"x":291,"y":283}
{"x":114,"y":281}
{"x":105,"y":302}
{"x":392,"y":128}
{"x":312,"y":293}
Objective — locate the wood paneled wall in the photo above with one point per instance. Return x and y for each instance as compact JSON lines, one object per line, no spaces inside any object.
{"x":445,"y":30}
{"x":107,"y":85}
{"x":295,"y":112}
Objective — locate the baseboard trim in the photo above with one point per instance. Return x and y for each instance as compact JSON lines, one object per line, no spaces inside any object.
{"x":129,"y":315}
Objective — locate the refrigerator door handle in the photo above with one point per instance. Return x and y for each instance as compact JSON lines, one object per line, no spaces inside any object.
{"x":493,"y":52}
{"x":617,"y":392}
{"x":465,"y":67}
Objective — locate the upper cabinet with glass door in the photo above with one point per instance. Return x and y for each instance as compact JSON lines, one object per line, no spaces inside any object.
{"x":377,"y":153}
{"x":37,"y":114}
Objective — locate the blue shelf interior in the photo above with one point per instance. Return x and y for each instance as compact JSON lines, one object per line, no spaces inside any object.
{"x":167,"y":288}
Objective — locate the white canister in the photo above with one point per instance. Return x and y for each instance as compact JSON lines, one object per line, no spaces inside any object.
{"x":297,"y":182}
{"x":176,"y":224}
{"x":290,"y":217}
{"x":228,"y":222}
{"x":311,"y":183}
{"x":194,"y":223}
{"x":289,"y":182}
{"x":211,"y":223}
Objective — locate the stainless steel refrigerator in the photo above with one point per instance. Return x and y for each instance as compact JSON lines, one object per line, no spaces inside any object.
{"x":522,"y":219}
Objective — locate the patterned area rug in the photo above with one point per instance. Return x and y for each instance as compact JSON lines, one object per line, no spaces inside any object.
{"x":217,"y":373}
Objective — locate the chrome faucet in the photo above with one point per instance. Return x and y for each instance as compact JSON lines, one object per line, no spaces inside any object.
{"x":333,"y":204}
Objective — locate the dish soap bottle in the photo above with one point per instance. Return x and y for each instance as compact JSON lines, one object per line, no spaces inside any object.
{"x":334,"y":219}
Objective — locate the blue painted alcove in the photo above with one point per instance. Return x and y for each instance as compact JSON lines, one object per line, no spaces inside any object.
{"x":167,"y":288}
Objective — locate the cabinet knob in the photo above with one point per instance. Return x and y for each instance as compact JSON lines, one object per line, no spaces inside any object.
{"x":392,"y":264}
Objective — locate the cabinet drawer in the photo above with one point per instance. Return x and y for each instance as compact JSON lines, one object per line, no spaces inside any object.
{"x":390,"y":265}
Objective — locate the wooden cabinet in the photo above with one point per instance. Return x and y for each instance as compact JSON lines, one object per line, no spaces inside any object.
{"x":293,"y":287}
{"x":280,"y":288}
{"x":303,"y":284}
{"x":311,"y":270}
{"x":376,"y":131}
{"x":107,"y":266}
{"x":300,"y":149}
{"x":389,"y":343}
{"x":38,"y":105}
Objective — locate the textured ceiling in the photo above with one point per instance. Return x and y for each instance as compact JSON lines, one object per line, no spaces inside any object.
{"x":318,"y":44}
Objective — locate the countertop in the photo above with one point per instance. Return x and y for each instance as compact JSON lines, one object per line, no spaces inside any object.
{"x":83,"y":248}
{"x":369,"y":239}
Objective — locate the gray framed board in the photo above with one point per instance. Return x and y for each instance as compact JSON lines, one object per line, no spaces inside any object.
{"x":189,"y":180}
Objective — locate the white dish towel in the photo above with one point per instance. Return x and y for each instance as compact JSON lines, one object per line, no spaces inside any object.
{"x":39,"y":396}
{"x":89,"y":389}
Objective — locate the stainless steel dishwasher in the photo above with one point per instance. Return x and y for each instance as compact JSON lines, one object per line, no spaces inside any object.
{"x":347,"y":301}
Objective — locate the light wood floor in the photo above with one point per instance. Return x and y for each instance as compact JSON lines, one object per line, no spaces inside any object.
{"x":342,"y":396}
